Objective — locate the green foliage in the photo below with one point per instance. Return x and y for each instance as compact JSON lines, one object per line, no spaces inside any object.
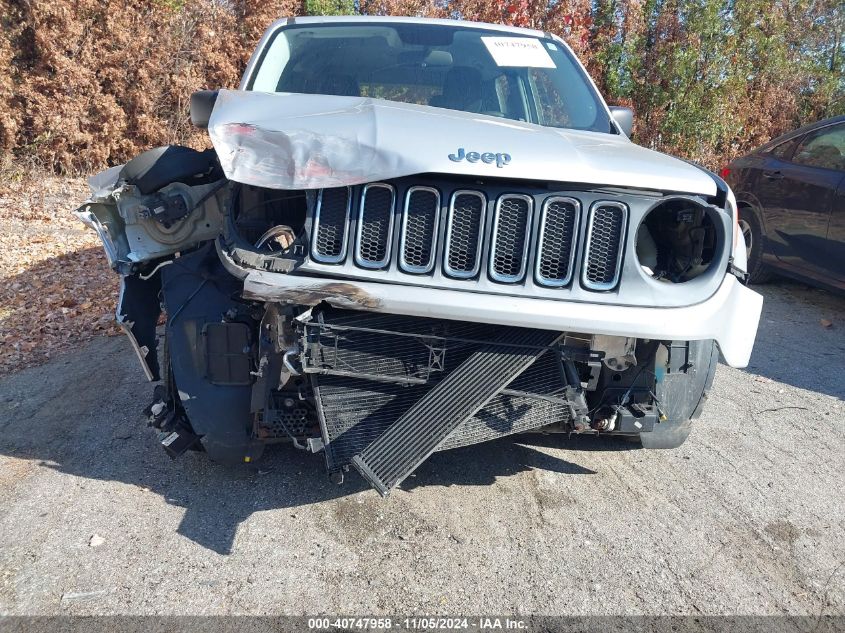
{"x":329,"y":7}
{"x":709,"y":79}
{"x":173,"y":5}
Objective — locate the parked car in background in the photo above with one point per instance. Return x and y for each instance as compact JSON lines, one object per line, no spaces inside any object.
{"x":791,"y":196}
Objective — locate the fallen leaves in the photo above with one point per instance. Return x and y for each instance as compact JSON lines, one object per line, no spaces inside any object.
{"x":56,"y":289}
{"x":826,"y":323}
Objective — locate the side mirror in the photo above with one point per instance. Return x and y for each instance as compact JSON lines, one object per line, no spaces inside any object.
{"x":202,"y":103}
{"x":624,"y":118}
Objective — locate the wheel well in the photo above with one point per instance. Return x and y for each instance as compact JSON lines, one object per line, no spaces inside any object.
{"x":746,"y":207}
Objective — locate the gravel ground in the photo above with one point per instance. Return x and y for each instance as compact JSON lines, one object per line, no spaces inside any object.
{"x":746,"y":518}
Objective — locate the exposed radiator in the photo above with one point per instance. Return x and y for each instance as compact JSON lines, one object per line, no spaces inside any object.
{"x":457,"y":397}
{"x":369,"y":369}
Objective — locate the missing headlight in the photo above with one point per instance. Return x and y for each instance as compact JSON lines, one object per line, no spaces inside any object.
{"x":677,"y":241}
{"x":270,"y":219}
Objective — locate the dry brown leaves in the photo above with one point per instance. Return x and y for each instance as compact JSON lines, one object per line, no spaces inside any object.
{"x":56,"y":289}
{"x":91,"y":83}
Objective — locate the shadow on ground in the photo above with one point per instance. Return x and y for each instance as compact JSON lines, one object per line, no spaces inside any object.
{"x":80,"y":415}
{"x":801,"y":339}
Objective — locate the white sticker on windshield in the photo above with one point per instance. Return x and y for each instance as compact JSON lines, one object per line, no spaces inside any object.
{"x":525,"y":52}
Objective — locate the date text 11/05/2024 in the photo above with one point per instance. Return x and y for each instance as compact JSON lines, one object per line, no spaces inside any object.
{"x":417,"y":624}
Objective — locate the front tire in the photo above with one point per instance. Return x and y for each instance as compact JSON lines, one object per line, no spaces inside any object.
{"x":752,"y":232}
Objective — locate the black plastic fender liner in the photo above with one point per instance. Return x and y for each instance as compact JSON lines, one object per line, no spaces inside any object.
{"x":419,"y":432}
{"x":197,"y":292}
{"x":202,"y":103}
{"x":683,"y":391}
{"x":138,"y":309}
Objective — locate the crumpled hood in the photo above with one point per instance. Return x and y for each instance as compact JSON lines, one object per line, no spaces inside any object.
{"x":297,"y":141}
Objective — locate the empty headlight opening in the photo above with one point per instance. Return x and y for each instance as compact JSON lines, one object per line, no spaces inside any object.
{"x":268,"y":219}
{"x":677,"y":241}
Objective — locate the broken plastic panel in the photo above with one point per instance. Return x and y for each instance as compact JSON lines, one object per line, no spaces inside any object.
{"x":136,"y":228}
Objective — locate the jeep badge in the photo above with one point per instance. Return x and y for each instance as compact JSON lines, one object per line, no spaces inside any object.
{"x":487,"y":157}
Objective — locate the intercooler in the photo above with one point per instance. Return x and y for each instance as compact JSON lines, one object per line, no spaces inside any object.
{"x":368,"y":370}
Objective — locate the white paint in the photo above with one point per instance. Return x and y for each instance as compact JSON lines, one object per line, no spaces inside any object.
{"x":730,"y":316}
{"x":297,"y":141}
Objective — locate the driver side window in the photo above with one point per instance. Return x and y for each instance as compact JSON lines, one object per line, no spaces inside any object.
{"x":784,"y":150}
{"x":824,"y":148}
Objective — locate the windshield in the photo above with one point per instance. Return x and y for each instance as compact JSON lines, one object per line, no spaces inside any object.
{"x":495,"y":73}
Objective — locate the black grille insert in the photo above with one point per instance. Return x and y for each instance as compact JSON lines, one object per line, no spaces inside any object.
{"x":330,"y":222}
{"x":419,"y":228}
{"x":511,"y":227}
{"x":463,"y":234}
{"x":605,"y":239}
{"x":558,"y":231}
{"x":375,"y":226}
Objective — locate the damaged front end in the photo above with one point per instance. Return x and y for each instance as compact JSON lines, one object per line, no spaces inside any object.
{"x":480,"y":251}
{"x":146,"y":213}
{"x":262,"y":344}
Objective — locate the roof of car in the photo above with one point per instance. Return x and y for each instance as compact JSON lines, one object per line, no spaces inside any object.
{"x":370,"y":19}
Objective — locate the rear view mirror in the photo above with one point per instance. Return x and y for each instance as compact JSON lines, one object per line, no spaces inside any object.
{"x":202,"y":103}
{"x":624,"y":118}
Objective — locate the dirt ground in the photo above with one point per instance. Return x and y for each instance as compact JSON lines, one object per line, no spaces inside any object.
{"x":745,"y":518}
{"x":56,"y":289}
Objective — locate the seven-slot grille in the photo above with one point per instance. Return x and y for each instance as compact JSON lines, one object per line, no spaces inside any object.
{"x":512,"y":225}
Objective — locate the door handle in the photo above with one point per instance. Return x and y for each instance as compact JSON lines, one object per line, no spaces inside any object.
{"x":772,"y":175}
